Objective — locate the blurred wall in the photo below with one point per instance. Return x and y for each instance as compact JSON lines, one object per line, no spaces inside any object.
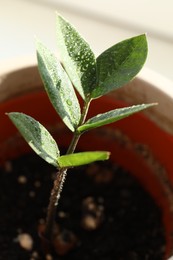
{"x":101,"y":22}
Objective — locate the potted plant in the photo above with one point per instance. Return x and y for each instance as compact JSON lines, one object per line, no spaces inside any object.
{"x":121,"y":146}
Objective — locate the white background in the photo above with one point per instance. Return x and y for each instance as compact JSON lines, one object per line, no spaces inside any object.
{"x":101,"y":22}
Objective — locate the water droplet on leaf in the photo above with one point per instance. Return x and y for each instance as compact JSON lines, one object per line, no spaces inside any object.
{"x":69,"y":102}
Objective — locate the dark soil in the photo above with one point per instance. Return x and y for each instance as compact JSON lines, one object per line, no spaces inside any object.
{"x":103,"y":213}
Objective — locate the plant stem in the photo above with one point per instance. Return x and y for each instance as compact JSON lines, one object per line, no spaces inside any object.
{"x":54,"y":198}
{"x":77,"y":135}
{"x":60,"y":179}
{"x":56,"y":191}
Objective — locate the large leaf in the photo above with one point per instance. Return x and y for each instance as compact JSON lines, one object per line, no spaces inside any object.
{"x":120,"y":64}
{"x":77,"y":159}
{"x":58,"y":87}
{"x":112,"y":116}
{"x":77,"y":57}
{"x":36,"y":136}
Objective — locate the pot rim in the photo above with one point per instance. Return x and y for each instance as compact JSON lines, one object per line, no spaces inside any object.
{"x":148,"y":75}
{"x":148,"y":86}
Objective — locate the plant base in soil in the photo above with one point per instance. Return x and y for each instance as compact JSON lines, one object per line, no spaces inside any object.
{"x":104,"y":214}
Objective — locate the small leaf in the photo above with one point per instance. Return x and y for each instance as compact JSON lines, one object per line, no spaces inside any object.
{"x":77,"y":57}
{"x":77,"y":159}
{"x":112,"y":116}
{"x":58,"y":87}
{"x":36,"y":136}
{"x":120,"y":64}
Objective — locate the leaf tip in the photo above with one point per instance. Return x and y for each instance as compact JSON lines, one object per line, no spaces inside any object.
{"x":38,"y":44}
{"x":11,"y":115}
{"x":59,"y":18}
{"x":108,"y":154}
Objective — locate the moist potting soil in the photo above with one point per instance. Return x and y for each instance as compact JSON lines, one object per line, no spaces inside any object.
{"x":104,"y":213}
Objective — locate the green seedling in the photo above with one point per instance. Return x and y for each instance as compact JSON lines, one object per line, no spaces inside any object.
{"x":92,"y":78}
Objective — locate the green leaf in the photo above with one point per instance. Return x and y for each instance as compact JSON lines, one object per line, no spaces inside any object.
{"x":120,"y":64}
{"x":112,"y":116}
{"x":36,"y":136}
{"x":77,"y":159}
{"x":58,"y":87}
{"x":77,"y":57}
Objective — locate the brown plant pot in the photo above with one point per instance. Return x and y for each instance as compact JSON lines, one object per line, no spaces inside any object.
{"x":144,"y":140}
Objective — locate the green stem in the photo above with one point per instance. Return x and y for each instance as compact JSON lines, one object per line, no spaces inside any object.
{"x":60,"y":179}
{"x":77,"y":135}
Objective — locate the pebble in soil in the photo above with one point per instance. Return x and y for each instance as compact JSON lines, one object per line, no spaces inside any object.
{"x":103,"y":213}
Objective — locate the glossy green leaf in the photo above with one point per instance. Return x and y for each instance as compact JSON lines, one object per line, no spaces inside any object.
{"x":36,"y":136}
{"x":120,"y":64}
{"x":112,"y":116}
{"x":77,"y":159}
{"x":77,"y":57}
{"x":58,"y":87}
